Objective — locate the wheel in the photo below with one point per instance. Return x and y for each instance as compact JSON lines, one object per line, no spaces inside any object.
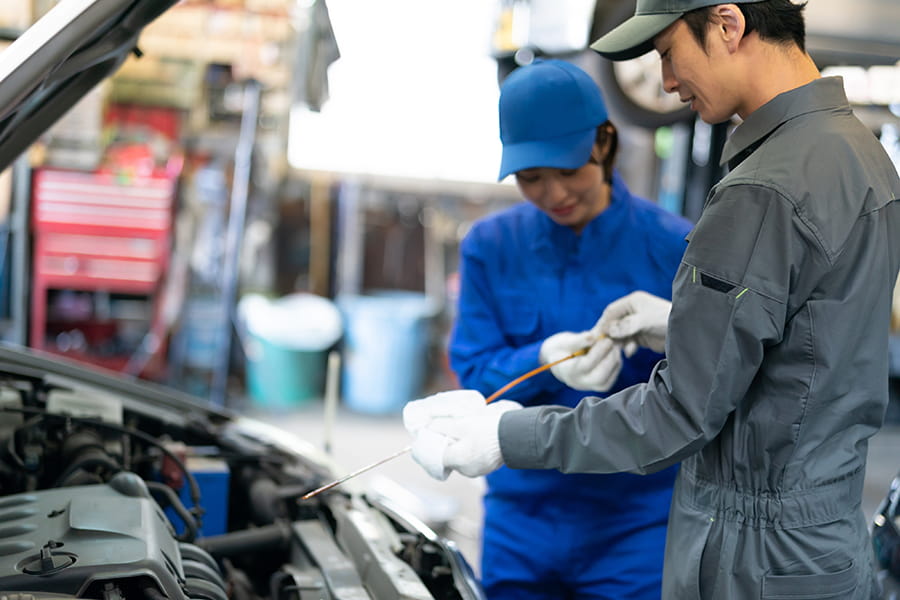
{"x":633,"y":88}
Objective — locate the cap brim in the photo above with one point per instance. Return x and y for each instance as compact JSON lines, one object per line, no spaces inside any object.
{"x":564,"y":152}
{"x":634,"y":37}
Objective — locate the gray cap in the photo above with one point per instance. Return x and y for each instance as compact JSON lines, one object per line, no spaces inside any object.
{"x":635,"y":36}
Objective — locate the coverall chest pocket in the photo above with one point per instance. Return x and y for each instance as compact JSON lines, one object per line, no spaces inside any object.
{"x":519,"y":316}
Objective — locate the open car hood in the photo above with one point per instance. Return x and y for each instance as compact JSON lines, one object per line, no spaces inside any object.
{"x":71,"y":49}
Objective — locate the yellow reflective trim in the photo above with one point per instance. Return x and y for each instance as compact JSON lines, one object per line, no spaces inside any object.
{"x":694,"y":277}
{"x":742,"y":293}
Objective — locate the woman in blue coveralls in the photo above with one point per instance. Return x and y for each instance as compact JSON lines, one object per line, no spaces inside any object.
{"x":532,"y":275}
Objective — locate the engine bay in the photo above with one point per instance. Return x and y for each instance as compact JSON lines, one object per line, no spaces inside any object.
{"x":108,"y":496}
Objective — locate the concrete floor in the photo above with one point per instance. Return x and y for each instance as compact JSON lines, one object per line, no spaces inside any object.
{"x":454,"y":506}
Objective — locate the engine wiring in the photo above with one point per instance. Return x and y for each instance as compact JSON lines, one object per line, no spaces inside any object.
{"x":41,"y":414}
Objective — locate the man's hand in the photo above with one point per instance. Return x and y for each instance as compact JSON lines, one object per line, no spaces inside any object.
{"x":419,"y":414}
{"x":638,"y":319}
{"x":595,"y":371}
{"x":474,"y":449}
{"x":464,"y":438}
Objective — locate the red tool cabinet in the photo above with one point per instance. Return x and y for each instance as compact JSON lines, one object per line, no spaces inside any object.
{"x":98,"y":232}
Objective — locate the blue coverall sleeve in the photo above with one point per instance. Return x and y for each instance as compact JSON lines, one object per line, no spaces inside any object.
{"x":481,"y":354}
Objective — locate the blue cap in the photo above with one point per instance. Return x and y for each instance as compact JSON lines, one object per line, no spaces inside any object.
{"x":549,"y":113}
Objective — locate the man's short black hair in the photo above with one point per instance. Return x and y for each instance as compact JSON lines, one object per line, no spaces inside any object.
{"x":779,"y":21}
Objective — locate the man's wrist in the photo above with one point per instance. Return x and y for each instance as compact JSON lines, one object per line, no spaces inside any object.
{"x":515,"y":437}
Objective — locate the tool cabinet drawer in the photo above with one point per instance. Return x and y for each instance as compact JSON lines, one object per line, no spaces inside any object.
{"x":76,"y":260}
{"x":93,"y":272}
{"x":101,"y":202}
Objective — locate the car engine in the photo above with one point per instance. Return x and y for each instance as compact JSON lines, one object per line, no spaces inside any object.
{"x":88,"y":540}
{"x":105,"y":495}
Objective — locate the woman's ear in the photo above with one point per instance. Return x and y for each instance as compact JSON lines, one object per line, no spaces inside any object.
{"x":601,"y":151}
{"x":598,"y":154}
{"x":730,"y":25}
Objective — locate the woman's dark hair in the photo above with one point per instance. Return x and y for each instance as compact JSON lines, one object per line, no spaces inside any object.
{"x":606,"y":134}
{"x":779,"y":21}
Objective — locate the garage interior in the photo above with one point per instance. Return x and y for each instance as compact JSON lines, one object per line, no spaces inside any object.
{"x":276,"y":196}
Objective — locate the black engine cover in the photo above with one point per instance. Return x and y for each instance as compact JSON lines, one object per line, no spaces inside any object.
{"x":68,"y":540}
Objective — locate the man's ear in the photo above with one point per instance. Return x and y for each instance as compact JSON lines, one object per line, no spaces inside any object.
{"x":729,"y":25}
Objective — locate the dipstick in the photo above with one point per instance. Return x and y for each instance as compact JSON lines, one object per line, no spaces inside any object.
{"x":354,"y":474}
{"x":487,"y":400}
{"x":532,"y":373}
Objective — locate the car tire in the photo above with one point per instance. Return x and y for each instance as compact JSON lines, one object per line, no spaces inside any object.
{"x":633,"y":88}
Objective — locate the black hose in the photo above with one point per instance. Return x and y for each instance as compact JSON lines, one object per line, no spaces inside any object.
{"x":11,"y":442}
{"x":190,"y":523}
{"x":151,"y":593}
{"x":81,"y":478}
{"x":192,"y":482}
{"x":87,"y":463}
{"x":247,"y":541}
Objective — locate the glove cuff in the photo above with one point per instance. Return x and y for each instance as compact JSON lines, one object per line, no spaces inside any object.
{"x":493,"y":454}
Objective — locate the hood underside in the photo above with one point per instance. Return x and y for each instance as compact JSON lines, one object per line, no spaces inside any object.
{"x":71,"y":49}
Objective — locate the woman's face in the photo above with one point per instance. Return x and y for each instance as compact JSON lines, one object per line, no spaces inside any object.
{"x":571,"y":197}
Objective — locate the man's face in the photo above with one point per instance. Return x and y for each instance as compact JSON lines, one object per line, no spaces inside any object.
{"x":702,"y":77}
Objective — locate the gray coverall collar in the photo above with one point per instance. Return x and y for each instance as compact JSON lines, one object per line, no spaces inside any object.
{"x":826,"y":93}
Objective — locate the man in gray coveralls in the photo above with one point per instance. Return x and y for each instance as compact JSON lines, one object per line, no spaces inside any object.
{"x":776,"y":343}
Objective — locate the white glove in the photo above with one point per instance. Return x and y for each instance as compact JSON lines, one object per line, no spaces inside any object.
{"x":428,"y":450}
{"x":456,"y":430}
{"x":419,"y":415}
{"x":595,"y":371}
{"x":455,"y":403}
{"x":638,"y":319}
{"x":474,"y":443}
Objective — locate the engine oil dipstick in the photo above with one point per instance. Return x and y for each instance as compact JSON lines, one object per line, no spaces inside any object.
{"x":531,"y":374}
{"x":488,"y":400}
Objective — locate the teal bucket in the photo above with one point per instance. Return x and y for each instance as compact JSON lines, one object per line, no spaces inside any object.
{"x":386,"y":336}
{"x":286,"y":344}
{"x":280,"y":378}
